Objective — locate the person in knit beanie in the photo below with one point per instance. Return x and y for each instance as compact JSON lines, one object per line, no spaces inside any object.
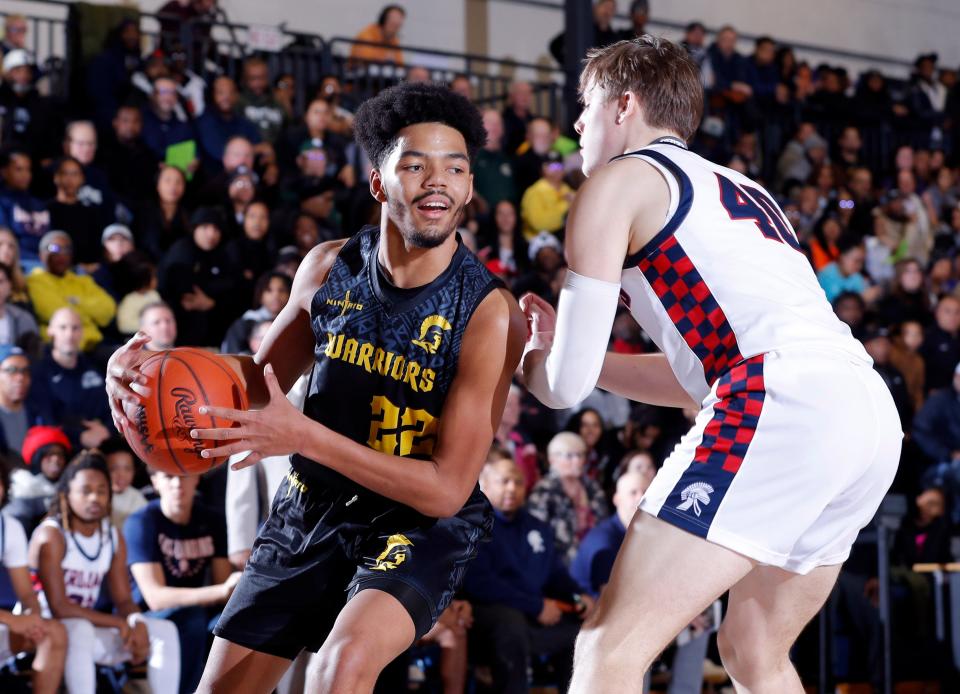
{"x":45,"y":451}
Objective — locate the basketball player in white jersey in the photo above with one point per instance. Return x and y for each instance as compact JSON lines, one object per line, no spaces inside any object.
{"x":797,"y":438}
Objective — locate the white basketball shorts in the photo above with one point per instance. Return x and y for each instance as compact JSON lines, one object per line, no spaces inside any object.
{"x":788,"y":459}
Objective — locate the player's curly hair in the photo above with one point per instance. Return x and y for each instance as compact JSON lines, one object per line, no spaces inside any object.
{"x":379,"y":119}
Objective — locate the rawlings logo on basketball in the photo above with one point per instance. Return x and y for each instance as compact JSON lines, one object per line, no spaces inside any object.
{"x":694,"y":495}
{"x":183,"y":420}
{"x":143,"y":431}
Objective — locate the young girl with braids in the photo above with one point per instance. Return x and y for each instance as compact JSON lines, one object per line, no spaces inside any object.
{"x":73,"y":552}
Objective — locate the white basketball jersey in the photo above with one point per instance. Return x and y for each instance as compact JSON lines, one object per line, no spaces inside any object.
{"x":85,"y":564}
{"x":725,"y":279}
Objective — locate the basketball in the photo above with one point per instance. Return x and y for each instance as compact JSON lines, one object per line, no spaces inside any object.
{"x":179,"y":382}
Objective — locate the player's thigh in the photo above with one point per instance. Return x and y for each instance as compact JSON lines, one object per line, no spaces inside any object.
{"x":371,"y":631}
{"x":662,"y":578}
{"x":234,"y":668}
{"x":769,"y":607}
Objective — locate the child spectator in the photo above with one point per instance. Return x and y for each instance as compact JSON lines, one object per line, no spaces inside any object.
{"x":45,"y":452}
{"x":126,"y":499}
{"x":28,"y":630}
{"x":73,"y":552}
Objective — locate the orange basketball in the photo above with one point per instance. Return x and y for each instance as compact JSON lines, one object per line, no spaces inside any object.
{"x":179,"y":382}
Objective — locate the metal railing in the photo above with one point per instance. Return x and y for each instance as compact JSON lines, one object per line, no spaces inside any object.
{"x":823,"y":52}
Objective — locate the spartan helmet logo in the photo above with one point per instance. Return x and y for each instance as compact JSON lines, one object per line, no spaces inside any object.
{"x":393,"y":556}
{"x":434,"y":327}
{"x":694,"y":495}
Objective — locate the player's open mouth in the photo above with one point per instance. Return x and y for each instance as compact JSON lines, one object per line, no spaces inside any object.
{"x":433,"y":207}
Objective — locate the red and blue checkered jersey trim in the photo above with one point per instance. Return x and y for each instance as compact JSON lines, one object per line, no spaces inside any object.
{"x":692,"y":307}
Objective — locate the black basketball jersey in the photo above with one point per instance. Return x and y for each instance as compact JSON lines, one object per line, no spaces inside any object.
{"x":385,"y":357}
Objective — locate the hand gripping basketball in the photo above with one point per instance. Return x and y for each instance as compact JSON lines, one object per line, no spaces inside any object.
{"x":122,"y":372}
{"x":277,"y":429}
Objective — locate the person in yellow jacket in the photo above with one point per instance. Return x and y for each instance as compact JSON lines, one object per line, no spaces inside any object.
{"x":55,"y":286}
{"x":544,"y":204}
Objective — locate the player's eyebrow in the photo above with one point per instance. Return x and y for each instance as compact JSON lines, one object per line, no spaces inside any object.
{"x":424,"y":155}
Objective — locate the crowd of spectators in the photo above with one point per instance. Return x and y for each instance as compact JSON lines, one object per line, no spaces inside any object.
{"x":180,"y":203}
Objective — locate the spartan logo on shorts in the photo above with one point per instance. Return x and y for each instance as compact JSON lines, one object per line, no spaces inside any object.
{"x":694,"y":495}
{"x":393,"y":556}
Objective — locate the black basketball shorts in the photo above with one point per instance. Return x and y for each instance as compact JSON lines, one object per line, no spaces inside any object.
{"x":320,"y":546}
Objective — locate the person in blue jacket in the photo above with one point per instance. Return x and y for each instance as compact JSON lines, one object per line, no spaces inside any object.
{"x":594,"y":561}
{"x":525,"y":603}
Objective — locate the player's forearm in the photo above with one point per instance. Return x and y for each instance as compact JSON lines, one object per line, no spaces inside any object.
{"x":419,"y":484}
{"x":166,"y":597}
{"x":644,"y":378}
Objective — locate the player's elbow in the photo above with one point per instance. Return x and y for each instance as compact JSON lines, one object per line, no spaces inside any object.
{"x":564,"y":396}
{"x":446,"y":502}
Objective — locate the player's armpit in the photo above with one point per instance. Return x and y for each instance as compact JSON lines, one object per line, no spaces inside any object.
{"x":619,"y":208}
{"x":289,"y":342}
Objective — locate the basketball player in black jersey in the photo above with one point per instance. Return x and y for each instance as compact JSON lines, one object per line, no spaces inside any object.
{"x":411,"y":345}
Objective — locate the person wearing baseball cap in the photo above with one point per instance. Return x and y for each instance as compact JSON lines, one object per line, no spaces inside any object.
{"x":37,"y":125}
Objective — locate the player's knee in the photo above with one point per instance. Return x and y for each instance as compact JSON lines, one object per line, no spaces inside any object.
{"x":56,"y":635}
{"x":744,"y":659}
{"x":345,"y":663}
{"x":597,"y":648}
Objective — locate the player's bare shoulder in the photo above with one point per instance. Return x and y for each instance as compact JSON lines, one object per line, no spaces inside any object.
{"x":313,"y":271}
{"x":497,"y":330}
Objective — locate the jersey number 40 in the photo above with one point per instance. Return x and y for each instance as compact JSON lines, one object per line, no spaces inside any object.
{"x":748,"y":202}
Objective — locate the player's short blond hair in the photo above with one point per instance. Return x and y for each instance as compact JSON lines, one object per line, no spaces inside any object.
{"x":662,"y":75}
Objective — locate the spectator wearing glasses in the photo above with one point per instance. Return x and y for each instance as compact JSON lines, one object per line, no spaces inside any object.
{"x":545,"y":204}
{"x":161,"y":125}
{"x":17,"y":412}
{"x":56,"y":286}
{"x":570,"y":502}
{"x":14,"y":33}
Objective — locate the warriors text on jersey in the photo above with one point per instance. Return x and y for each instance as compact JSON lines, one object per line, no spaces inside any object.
{"x":385,"y":357}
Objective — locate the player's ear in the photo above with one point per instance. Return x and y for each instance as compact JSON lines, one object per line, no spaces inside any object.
{"x":627,"y":105}
{"x":469,"y":192}
{"x":377,"y":189}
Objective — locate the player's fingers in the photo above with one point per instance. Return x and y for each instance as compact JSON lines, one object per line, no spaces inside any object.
{"x":273,"y":385}
{"x":251,"y":459}
{"x":226,"y":413}
{"x":228,"y":450}
{"x":218,"y":434}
